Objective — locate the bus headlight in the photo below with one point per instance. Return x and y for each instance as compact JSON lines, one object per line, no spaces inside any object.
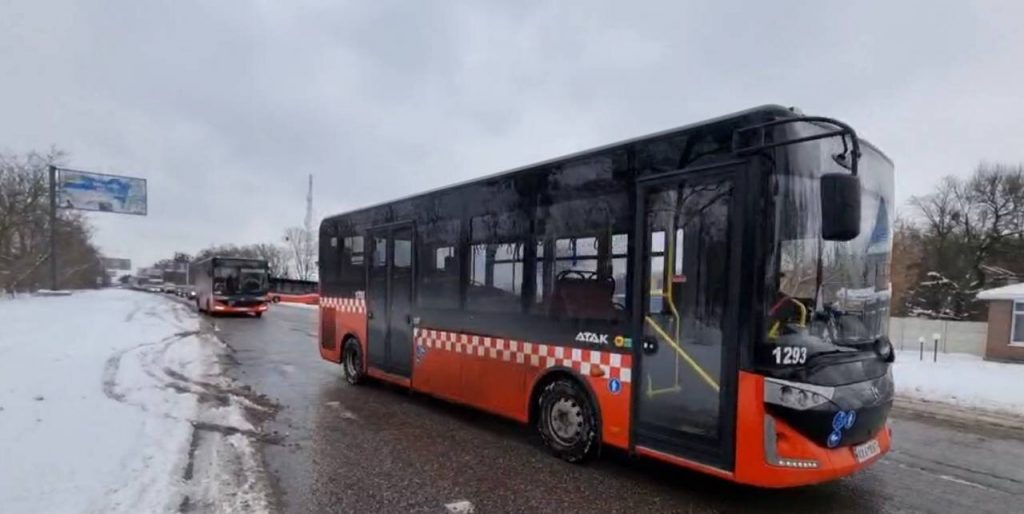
{"x":795,"y":395}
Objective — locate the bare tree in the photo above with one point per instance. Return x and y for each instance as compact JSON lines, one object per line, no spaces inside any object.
{"x":277,"y":258}
{"x":302,"y":244}
{"x":968,"y":226}
{"x":25,"y":223}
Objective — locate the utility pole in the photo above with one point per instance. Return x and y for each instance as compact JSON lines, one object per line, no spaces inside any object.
{"x":308,"y":225}
{"x":53,"y":227}
{"x":307,"y":236}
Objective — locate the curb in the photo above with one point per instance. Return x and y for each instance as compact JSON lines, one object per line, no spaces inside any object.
{"x":956,"y":413}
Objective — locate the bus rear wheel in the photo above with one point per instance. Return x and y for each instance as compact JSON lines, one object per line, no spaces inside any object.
{"x":567,"y":422}
{"x":352,"y":361}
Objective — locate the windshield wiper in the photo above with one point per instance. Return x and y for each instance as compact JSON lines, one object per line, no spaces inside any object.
{"x":820,"y":360}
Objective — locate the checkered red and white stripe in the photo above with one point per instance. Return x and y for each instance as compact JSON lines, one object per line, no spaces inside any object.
{"x":344,"y":304}
{"x":614,"y":365}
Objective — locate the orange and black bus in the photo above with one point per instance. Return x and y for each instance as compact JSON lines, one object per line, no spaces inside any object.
{"x":230,"y":285}
{"x":294,"y":290}
{"x":715,"y":296}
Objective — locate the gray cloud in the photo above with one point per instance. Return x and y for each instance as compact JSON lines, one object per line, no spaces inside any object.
{"x":226,"y":106}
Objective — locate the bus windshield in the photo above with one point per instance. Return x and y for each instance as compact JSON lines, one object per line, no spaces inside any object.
{"x":836,"y":292}
{"x":239,"y":280}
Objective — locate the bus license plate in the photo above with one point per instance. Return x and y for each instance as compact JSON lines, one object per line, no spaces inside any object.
{"x":867,"y":450}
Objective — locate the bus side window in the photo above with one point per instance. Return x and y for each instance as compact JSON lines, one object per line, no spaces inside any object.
{"x":438,"y":265}
{"x":350,"y":262}
{"x":496,"y":262}
{"x":582,"y":259}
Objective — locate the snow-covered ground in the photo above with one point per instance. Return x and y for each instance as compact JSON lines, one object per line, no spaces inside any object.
{"x":115,"y":401}
{"x":962,"y":380}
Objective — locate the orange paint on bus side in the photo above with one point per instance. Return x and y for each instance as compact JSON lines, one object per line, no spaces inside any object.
{"x":615,"y":419}
{"x":500,"y":376}
{"x":684,"y":463}
{"x":308,"y":299}
{"x":387,"y":377}
{"x":337,"y":325}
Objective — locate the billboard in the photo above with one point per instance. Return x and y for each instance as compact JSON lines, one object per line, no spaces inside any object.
{"x":112,"y":263}
{"x":89,"y":191}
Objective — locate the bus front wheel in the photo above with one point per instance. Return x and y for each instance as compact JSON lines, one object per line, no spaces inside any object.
{"x":567,"y":422}
{"x":352,"y":361}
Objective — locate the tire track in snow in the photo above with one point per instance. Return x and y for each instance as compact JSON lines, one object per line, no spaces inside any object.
{"x":112,"y":367}
{"x":221,"y":469}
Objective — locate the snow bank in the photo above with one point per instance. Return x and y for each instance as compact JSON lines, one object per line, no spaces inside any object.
{"x":295,"y":305}
{"x":52,"y":292}
{"x":114,"y":401}
{"x":962,"y":380}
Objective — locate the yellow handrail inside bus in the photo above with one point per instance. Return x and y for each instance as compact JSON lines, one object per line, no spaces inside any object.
{"x":671,"y":267}
{"x":774,"y":332}
{"x":689,"y":360}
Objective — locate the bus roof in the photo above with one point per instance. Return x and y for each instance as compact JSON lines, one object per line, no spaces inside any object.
{"x":226,"y":257}
{"x":770,"y":109}
{"x":767,"y":109}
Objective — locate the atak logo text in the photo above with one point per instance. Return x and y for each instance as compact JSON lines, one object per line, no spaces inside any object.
{"x":590,"y":337}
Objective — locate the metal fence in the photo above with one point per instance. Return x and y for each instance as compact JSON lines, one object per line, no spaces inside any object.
{"x":954,"y":336}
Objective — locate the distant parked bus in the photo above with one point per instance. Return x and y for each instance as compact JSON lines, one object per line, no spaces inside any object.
{"x":231,"y":285}
{"x":294,"y":290}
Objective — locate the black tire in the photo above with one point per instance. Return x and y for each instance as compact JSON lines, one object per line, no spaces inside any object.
{"x":259,"y":314}
{"x":567,"y":421}
{"x":352,"y":362}
{"x":276,"y":299}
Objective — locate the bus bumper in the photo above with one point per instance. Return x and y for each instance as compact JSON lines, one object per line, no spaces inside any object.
{"x":772,"y":454}
{"x":227,"y":309}
{"x":789,"y":459}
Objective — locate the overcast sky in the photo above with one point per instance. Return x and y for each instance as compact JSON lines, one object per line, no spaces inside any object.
{"x":226,"y":106}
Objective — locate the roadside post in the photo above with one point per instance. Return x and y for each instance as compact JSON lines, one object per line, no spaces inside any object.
{"x":920,"y":341}
{"x":935,"y":347}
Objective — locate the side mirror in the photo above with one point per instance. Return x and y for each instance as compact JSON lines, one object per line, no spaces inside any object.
{"x":884,"y":349}
{"x":840,"y":207}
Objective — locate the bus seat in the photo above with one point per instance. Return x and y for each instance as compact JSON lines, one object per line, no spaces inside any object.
{"x":586,"y":298}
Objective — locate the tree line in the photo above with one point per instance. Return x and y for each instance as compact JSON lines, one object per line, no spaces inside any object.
{"x":25,"y":229}
{"x":965,"y":236}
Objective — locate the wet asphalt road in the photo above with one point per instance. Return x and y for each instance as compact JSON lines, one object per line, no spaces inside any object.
{"x":376,"y":448}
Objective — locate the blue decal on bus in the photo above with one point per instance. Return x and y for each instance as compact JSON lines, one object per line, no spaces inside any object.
{"x":615,"y":386}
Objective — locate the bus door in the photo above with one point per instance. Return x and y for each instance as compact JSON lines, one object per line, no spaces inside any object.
{"x":684,"y":396}
{"x":389,"y":299}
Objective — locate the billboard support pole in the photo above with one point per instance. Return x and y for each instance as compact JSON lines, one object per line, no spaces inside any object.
{"x":53,"y":227}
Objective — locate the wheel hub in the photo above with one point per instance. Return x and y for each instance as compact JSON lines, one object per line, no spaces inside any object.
{"x":566,"y":421}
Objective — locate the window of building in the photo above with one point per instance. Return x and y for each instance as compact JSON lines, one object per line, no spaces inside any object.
{"x":1017,"y":330}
